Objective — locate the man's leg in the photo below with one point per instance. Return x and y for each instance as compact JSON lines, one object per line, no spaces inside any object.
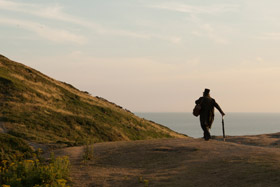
{"x":206,"y":133}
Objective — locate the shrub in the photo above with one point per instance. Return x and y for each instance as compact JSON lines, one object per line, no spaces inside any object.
{"x":35,"y":172}
{"x":13,"y":148}
{"x":88,"y":151}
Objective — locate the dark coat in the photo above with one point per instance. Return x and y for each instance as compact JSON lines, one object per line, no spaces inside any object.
{"x":207,"y":110}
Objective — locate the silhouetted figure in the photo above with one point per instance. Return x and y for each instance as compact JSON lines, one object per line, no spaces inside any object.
{"x":207,"y":112}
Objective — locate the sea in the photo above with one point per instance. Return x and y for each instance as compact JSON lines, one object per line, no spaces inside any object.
{"x":236,"y":124}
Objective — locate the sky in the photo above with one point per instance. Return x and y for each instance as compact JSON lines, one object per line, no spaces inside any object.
{"x":152,"y":55}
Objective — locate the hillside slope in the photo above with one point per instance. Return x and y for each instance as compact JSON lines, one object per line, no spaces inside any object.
{"x":40,"y":109}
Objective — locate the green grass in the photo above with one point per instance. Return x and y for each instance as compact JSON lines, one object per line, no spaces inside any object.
{"x":12,"y":147}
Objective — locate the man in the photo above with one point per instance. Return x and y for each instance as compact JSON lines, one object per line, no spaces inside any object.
{"x":207,"y":112}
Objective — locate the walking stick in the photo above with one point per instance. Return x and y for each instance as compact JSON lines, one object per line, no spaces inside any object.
{"x":223,"y":124}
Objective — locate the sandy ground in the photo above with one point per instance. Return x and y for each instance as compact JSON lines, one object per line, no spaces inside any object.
{"x":240,"y":161}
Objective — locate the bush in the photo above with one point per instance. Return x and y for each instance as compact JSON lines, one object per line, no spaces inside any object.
{"x":88,"y":151}
{"x":35,"y":172}
{"x":13,"y":148}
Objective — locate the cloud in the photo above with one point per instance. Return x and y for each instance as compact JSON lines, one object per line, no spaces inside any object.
{"x":192,"y":9}
{"x":56,"y":12}
{"x":52,"y":34}
{"x":205,"y":29}
{"x":53,"y":12}
{"x":259,"y":59}
{"x":270,"y":36}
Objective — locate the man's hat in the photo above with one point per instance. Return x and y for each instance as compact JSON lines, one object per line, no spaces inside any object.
{"x":206,"y":91}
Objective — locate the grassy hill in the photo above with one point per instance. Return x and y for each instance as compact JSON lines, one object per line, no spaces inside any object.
{"x":40,"y":109}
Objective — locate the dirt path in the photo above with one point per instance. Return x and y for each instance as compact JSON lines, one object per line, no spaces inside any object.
{"x":180,"y":162}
